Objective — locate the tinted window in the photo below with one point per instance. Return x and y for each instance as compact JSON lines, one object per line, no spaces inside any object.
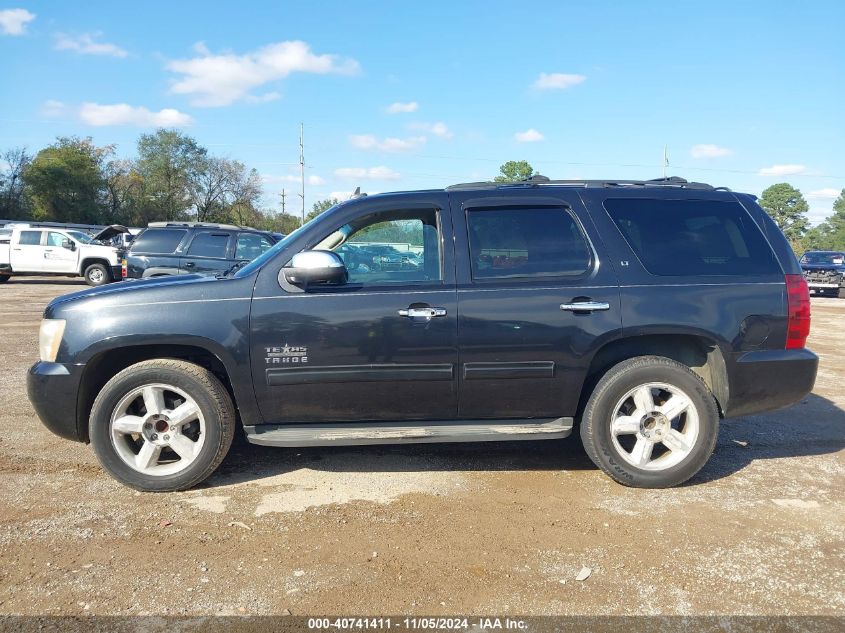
{"x":823,"y":258}
{"x":692,"y":237}
{"x":209,"y":245}
{"x":525,"y":243}
{"x":162,"y":241}
{"x":251,"y":245}
{"x":390,"y":247}
{"x":30,"y":238}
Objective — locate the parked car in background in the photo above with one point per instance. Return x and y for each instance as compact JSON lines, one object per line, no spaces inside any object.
{"x":637,"y":314}
{"x":52,"y":251}
{"x":179,"y":248}
{"x":825,"y":272}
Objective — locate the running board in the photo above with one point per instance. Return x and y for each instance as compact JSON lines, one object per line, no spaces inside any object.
{"x":355,"y":433}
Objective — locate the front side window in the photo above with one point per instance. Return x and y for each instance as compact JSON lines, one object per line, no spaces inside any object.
{"x":389,"y":247}
{"x":526,"y":242}
{"x":251,"y":245}
{"x":692,"y":237}
{"x":55,"y":239}
{"x":158,"y":241}
{"x":30,"y":238}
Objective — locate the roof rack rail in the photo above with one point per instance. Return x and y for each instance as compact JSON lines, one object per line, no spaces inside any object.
{"x":202,"y":225}
{"x":540,"y":180}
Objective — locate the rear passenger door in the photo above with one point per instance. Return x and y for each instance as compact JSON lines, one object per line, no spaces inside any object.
{"x":209,"y":252}
{"x":27,"y":255}
{"x":536,"y":298}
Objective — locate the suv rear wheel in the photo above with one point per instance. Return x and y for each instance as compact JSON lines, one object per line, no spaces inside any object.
{"x":650,"y":423}
{"x":162,"y":425}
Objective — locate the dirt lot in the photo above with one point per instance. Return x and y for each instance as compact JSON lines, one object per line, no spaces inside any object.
{"x":489,"y":528}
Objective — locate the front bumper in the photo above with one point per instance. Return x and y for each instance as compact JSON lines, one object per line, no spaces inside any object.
{"x":52,"y":389}
{"x":765,"y":380}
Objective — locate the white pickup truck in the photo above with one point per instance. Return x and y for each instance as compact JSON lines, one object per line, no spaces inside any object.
{"x":28,"y":250}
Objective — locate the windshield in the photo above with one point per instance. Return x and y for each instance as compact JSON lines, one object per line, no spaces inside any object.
{"x":79,"y":236}
{"x":823,"y":258}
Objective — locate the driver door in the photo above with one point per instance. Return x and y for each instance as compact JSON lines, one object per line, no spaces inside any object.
{"x":57,"y":258}
{"x":354,"y":353}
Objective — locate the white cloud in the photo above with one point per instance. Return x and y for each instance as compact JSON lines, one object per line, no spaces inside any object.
{"x":86,"y":45}
{"x":53,"y":108}
{"x":401,"y":108}
{"x":528,"y":136}
{"x":439,"y":129}
{"x":313,"y":179}
{"x":783,"y":170}
{"x":828,"y":193}
{"x":125,"y":114}
{"x":367,"y":173}
{"x":557,"y":81}
{"x":708,"y":150}
{"x":389,"y":144}
{"x":218,"y":80}
{"x":14,"y":21}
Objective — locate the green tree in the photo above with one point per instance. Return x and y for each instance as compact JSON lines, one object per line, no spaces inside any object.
{"x":788,"y":208}
{"x":67,"y":183}
{"x":830,"y":234}
{"x":320,"y":206}
{"x":514,"y":171}
{"x":168,"y":162}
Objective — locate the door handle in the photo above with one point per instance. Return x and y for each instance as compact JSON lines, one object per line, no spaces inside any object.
{"x":190,"y":265}
{"x":422,"y":312}
{"x":585,"y":306}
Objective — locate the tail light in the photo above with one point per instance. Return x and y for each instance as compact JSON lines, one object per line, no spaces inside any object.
{"x":798,"y":311}
{"x":123,"y":272}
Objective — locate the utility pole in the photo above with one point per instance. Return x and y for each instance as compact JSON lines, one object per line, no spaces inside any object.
{"x":302,"y":166}
{"x":283,"y":201}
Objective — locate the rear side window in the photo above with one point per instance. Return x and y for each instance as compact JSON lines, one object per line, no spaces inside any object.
{"x":209,"y":244}
{"x":30,"y":238}
{"x":161,"y":241}
{"x":526,"y":243}
{"x":692,"y":237}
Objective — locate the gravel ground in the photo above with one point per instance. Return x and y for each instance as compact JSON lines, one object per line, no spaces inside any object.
{"x":487,"y":528}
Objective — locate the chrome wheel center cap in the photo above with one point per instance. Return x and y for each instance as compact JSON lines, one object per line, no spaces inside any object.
{"x":654,"y":426}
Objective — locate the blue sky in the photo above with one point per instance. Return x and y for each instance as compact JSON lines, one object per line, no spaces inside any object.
{"x":744,"y":94}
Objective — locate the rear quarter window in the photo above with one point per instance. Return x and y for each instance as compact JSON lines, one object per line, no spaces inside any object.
{"x":692,"y":237}
{"x":159,"y":241}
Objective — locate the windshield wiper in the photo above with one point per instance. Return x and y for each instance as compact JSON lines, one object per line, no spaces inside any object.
{"x":232,"y":269}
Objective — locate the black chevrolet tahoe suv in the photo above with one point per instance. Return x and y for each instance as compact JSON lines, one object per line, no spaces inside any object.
{"x":639,"y":312}
{"x":825,"y":272}
{"x":179,"y":248}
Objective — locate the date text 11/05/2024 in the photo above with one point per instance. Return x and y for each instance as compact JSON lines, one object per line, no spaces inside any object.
{"x":418,"y":623}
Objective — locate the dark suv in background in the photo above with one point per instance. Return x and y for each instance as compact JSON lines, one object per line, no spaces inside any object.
{"x":825,"y":272}
{"x":638,"y":313}
{"x":178,"y":248}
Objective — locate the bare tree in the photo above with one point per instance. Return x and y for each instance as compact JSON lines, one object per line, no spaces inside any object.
{"x":13,"y":203}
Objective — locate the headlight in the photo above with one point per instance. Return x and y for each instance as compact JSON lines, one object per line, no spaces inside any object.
{"x":49,"y":338}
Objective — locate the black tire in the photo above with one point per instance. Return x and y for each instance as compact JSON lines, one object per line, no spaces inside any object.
{"x":97,"y":275}
{"x":211,"y":398}
{"x":4,"y":278}
{"x":614,"y":385}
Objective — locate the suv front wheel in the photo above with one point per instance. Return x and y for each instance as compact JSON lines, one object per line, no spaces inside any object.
{"x":650,"y":423}
{"x":162,"y":425}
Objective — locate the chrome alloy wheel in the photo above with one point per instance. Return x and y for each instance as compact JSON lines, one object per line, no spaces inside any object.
{"x":157,"y":430}
{"x":654,"y":426}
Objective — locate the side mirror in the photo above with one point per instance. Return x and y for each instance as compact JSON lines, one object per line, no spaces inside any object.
{"x":69,"y":244}
{"x":316,"y":267}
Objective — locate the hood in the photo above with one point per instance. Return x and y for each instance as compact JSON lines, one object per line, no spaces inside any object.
{"x":178,"y":285}
{"x":109,"y":232}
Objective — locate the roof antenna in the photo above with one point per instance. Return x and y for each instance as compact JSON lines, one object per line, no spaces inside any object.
{"x":357,"y":194}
